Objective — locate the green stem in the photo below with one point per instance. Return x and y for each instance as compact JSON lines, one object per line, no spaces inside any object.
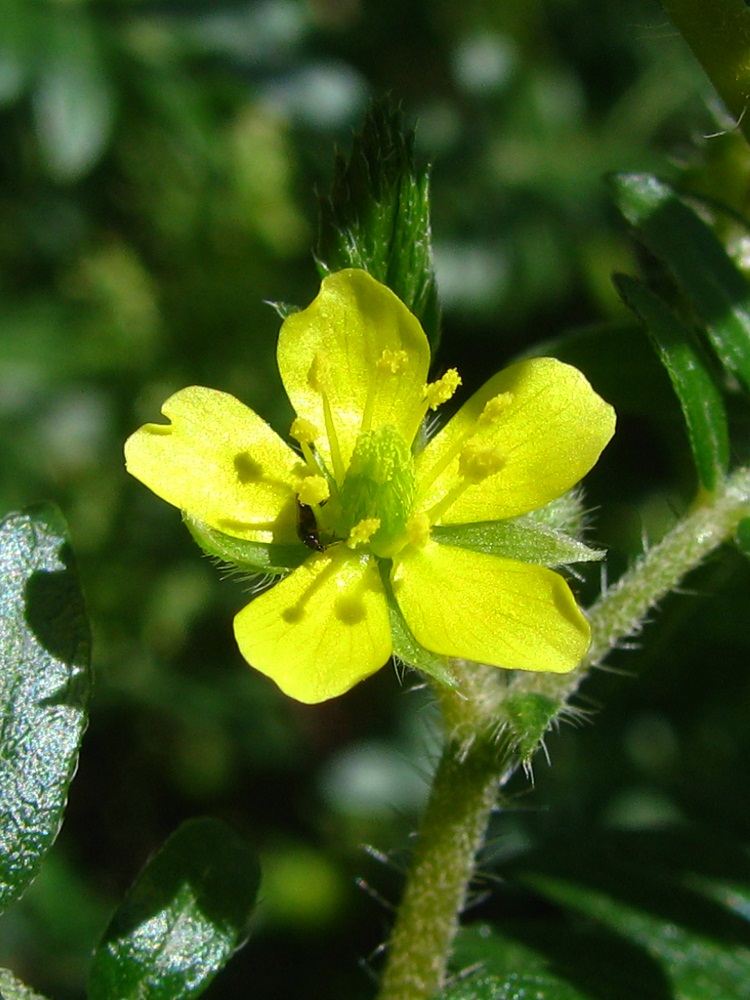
{"x":463,"y":793}
{"x":621,"y":611}
{"x":718,"y":32}
{"x":474,"y":765}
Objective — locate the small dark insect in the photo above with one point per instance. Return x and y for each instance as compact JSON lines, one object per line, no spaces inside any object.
{"x":307,"y":527}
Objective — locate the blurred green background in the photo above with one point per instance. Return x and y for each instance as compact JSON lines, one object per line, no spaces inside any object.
{"x":159,"y":163}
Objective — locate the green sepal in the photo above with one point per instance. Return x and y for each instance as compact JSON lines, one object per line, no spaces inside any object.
{"x":529,"y":716}
{"x":13,"y":989}
{"x":378,"y":215}
{"x":521,"y":538}
{"x":690,"y":372}
{"x":712,"y":285}
{"x":45,"y":685}
{"x":405,"y":646}
{"x":251,"y":557}
{"x":184,"y":917}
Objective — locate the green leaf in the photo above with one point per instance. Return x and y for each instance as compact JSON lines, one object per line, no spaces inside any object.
{"x":13,"y":989}
{"x":250,"y":557}
{"x":530,"y":715}
{"x":378,"y":215}
{"x":45,"y":685}
{"x":691,"y":376}
{"x":557,"y":960}
{"x":658,"y":915}
{"x":187,"y":912}
{"x":522,"y":538}
{"x":712,"y":284}
{"x":493,"y":988}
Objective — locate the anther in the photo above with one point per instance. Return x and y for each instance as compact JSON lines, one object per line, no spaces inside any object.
{"x":439,"y":392}
{"x":362,"y":532}
{"x":475,"y":464}
{"x":495,"y":408}
{"x":313,"y":490}
{"x":392,"y":362}
{"x":304,"y":431}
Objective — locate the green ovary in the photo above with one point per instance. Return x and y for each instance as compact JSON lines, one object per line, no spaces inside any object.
{"x":379,"y":484}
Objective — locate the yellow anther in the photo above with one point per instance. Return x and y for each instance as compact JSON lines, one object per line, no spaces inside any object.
{"x":418,"y":530}
{"x":304,"y":431}
{"x":392,"y":362}
{"x":362,"y":532}
{"x":439,"y":392}
{"x":317,"y":375}
{"x":313,"y":490}
{"x":496,"y":408}
{"x":475,"y":464}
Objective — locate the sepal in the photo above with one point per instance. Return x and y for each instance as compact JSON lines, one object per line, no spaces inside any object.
{"x":405,"y":646}
{"x":521,"y":538}
{"x":251,"y":557}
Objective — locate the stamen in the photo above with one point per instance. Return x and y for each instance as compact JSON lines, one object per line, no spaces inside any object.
{"x":304,"y":431}
{"x":440,"y":392}
{"x":493,"y":412}
{"x":318,"y":380}
{"x":418,"y":530}
{"x":435,"y":394}
{"x":475,"y":464}
{"x":362,"y":532}
{"x":313,"y":490}
{"x":391,"y":362}
{"x":495,"y":408}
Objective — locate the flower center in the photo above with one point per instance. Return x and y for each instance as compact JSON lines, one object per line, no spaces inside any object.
{"x":374,"y":504}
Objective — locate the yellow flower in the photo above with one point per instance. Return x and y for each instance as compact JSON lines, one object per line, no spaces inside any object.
{"x":382,"y":547}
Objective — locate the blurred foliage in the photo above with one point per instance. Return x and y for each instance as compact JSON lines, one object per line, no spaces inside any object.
{"x":159,"y":163}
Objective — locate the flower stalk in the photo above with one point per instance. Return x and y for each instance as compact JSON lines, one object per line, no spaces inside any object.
{"x":471,"y":771}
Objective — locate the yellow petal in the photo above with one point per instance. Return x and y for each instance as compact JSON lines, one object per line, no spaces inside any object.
{"x":359,"y":346}
{"x":218,"y":461}
{"x":321,"y":630}
{"x":492,"y":610}
{"x":547,"y":432}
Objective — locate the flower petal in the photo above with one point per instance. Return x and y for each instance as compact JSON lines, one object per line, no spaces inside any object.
{"x":221,"y":463}
{"x":549,"y":432}
{"x":321,"y":630}
{"x":359,"y":345}
{"x":492,"y":610}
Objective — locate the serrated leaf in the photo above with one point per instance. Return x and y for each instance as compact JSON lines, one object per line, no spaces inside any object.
{"x":559,"y":960}
{"x":710,"y":281}
{"x":250,"y":557}
{"x":45,"y":685}
{"x":187,"y":912}
{"x":661,"y":915}
{"x":523,"y":539}
{"x":378,"y":215}
{"x":13,"y":989}
{"x":690,"y":374}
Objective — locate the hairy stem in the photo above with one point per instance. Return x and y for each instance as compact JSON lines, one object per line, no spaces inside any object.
{"x":463,"y":793}
{"x":621,"y":611}
{"x":718,"y":32}
{"x":474,"y":765}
